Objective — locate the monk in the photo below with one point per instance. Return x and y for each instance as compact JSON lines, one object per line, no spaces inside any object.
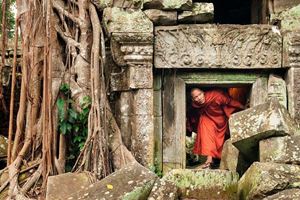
{"x":214,"y":109}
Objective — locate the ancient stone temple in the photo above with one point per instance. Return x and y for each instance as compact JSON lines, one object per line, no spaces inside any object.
{"x":160,"y":49}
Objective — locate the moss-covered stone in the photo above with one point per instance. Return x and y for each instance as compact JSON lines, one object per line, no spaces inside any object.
{"x":290,"y":194}
{"x":204,"y":184}
{"x":263,"y":179}
{"x":169,"y":4}
{"x":3,"y":146}
{"x":289,"y":19}
{"x":250,"y":126}
{"x":201,"y":13}
{"x":118,"y":20}
{"x":133,"y":182}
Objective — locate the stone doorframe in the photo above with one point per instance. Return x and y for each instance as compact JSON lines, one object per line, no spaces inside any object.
{"x":169,"y":122}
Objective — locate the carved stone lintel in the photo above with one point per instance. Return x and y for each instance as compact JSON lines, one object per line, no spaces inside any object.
{"x":218,"y":46}
{"x":291,"y":49}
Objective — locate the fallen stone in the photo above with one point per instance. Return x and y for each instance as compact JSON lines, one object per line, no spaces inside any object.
{"x":290,"y":194}
{"x":289,"y":20}
{"x":164,"y":190}
{"x":278,"y":6}
{"x":250,"y":126}
{"x":3,"y":147}
{"x":160,"y":17}
{"x":280,"y":150}
{"x":264,"y":179}
{"x":277,"y":89}
{"x":131,"y":182}
{"x":118,"y":20}
{"x":168,"y":4}
{"x":201,"y":13}
{"x":232,"y":159}
{"x":204,"y":184}
{"x":63,"y":185}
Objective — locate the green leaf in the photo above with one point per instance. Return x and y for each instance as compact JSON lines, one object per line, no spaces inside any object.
{"x":65,"y":88}
{"x":73,"y":113}
{"x":61,"y":109}
{"x":63,"y":128}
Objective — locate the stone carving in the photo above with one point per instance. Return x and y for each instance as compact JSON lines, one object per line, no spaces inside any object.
{"x":277,"y":88}
{"x":134,"y":53}
{"x":292,"y":50}
{"x":217,"y":46}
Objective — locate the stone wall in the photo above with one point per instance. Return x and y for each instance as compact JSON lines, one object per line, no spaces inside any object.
{"x":148,"y":34}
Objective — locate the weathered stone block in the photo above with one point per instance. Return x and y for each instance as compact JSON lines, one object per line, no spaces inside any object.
{"x":201,"y":13}
{"x":143,"y":102}
{"x":118,"y":20}
{"x":163,"y":190}
{"x":61,"y":186}
{"x":280,"y":150}
{"x":232,"y":159}
{"x":263,"y":179}
{"x":293,"y":90}
{"x":169,"y":4}
{"x":291,"y":49}
{"x":204,"y":184}
{"x":250,"y":126}
{"x":208,"y":46}
{"x":125,"y":125}
{"x":158,"y":143}
{"x":277,"y":89}
{"x":289,"y":20}
{"x":3,"y":146}
{"x":142,"y":139}
{"x":259,"y":92}
{"x":131,"y":182}
{"x":277,"y":6}
{"x":160,"y":17}
{"x":133,"y":77}
{"x":290,"y":194}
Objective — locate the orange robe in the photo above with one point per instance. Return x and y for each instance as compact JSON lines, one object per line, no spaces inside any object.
{"x":213,"y":122}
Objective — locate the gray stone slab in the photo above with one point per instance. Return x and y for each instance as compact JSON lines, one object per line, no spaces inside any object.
{"x":61,"y":186}
{"x":250,"y":126}
{"x":280,"y":150}
{"x":201,"y":13}
{"x":168,"y":4}
{"x":131,"y":182}
{"x":204,"y":184}
{"x":289,"y":19}
{"x":119,"y":20}
{"x":218,"y":46}
{"x":277,"y":6}
{"x":277,"y":89}
{"x":259,"y":92}
{"x":162,"y":18}
{"x":290,"y":194}
{"x":264,"y":179}
{"x":293,"y":89}
{"x":164,"y":190}
{"x":232,"y":159}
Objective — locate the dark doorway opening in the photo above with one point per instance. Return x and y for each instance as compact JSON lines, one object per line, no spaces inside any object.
{"x":240,"y":93}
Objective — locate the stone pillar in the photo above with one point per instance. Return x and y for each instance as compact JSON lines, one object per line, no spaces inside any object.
{"x":259,"y":92}
{"x":131,"y":40}
{"x":277,"y":88}
{"x":291,"y":58}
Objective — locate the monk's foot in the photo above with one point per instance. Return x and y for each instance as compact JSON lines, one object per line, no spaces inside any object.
{"x":206,"y":165}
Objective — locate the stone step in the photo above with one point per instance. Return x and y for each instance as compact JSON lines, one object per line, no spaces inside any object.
{"x":204,"y":184}
{"x":264,"y":179}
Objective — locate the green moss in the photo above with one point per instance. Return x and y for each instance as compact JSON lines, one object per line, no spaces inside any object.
{"x":140,"y":193}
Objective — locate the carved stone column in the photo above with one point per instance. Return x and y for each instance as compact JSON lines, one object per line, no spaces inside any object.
{"x":291,"y":58}
{"x":133,"y":52}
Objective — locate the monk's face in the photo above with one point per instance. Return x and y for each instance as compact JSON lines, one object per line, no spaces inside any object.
{"x":198,"y":96}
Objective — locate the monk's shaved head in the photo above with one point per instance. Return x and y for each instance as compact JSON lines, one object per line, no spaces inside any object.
{"x":197,"y":96}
